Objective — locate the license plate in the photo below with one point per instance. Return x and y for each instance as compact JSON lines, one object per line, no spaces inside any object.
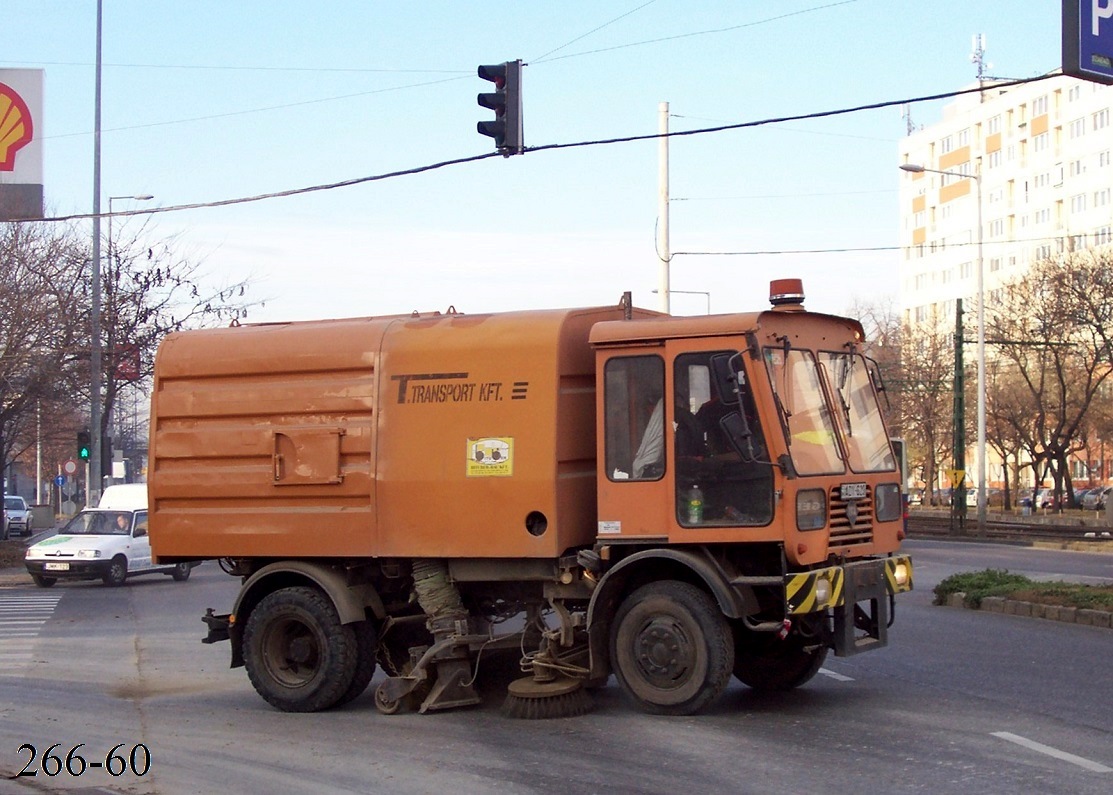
{"x":57,"y":567}
{"x":852,"y":491}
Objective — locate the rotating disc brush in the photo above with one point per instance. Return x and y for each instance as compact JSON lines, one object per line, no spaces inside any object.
{"x":563,"y":697}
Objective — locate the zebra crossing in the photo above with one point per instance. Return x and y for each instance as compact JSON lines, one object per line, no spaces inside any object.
{"x":22,"y":615}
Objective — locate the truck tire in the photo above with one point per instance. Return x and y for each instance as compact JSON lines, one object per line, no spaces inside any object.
{"x":367,"y":646}
{"x":298,"y":655}
{"x":671,"y":648}
{"x":765,"y":662}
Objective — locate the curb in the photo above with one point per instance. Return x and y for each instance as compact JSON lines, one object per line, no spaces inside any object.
{"x":1015,"y":607}
{"x":14,"y":576}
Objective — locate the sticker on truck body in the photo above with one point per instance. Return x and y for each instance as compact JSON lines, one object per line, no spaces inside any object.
{"x":490,"y":456}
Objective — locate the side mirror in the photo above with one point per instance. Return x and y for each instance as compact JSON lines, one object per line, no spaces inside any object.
{"x":726,"y":371}
{"x":738,"y":433}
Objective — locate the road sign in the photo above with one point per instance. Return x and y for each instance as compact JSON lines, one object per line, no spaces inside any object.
{"x":956,"y":476}
{"x":1088,"y":40}
{"x":70,"y":467}
{"x":59,"y":480}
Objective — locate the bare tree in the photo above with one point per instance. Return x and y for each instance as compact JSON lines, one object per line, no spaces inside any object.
{"x":927,"y":355}
{"x":1053,"y":326}
{"x":41,"y":317}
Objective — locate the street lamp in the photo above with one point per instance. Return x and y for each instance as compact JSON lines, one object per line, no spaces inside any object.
{"x":704,"y":293}
{"x":977,"y":177}
{"x":142,"y":197}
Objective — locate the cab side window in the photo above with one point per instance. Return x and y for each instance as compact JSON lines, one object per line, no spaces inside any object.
{"x":140,"y":524}
{"x":731,"y":489}
{"x":634,"y":421}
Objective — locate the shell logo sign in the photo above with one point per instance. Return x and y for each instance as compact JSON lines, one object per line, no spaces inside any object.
{"x":21,"y":144}
{"x":16,"y":126}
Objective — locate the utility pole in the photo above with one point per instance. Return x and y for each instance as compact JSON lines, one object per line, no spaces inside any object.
{"x":93,"y":486}
{"x":663,"y":254}
{"x":958,"y":490}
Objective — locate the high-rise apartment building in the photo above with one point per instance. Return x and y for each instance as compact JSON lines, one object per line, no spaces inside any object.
{"x":1044,"y":154}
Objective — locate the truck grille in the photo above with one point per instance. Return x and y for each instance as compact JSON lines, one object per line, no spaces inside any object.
{"x":851,"y":525}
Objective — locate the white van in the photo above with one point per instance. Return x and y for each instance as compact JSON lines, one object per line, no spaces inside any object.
{"x":108,"y":542}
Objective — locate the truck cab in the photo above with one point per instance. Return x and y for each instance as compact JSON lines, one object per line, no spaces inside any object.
{"x":774,"y":427}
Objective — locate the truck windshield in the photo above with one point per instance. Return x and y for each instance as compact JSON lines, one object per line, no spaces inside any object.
{"x":867,"y":442}
{"x":804,"y":411}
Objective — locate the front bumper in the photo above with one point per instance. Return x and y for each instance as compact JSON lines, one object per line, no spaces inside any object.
{"x":75,"y":569}
{"x":859,"y":596}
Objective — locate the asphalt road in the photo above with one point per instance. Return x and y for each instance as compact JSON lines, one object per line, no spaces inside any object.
{"x":961,"y":701}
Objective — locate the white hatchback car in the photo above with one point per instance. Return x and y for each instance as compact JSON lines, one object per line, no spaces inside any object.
{"x":108,"y":542}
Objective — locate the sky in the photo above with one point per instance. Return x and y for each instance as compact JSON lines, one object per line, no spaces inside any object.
{"x":208,"y":101}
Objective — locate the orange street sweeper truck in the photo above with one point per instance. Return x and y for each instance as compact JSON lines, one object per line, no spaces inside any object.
{"x":671,"y":500}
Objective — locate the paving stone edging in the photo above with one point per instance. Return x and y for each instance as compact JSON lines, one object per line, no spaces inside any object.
{"x":1015,"y":607}
{"x":14,"y":576}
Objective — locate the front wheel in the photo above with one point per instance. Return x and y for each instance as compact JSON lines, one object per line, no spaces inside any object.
{"x":766,"y":662}
{"x":43,"y":582}
{"x":299,"y":657}
{"x":117,"y":571}
{"x":671,"y":648}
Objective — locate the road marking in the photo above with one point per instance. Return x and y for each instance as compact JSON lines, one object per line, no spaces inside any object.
{"x":1092,"y":766}
{"x":835,"y":676}
{"x":22,"y":616}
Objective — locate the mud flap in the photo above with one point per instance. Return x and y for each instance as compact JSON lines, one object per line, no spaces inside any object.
{"x":862,"y":619}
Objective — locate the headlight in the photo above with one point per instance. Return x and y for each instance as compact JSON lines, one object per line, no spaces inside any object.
{"x":822,"y":590}
{"x":888,"y":502}
{"x":811,"y":509}
{"x":88,"y":553}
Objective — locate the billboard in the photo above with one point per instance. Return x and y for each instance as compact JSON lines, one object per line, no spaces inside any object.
{"x":21,"y":149}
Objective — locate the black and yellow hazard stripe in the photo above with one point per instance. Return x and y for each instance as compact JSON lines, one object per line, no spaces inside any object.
{"x":802,"y":590}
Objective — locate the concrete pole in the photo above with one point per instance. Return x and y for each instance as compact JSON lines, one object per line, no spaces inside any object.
{"x":663,"y":254}
{"x":982,"y":496}
{"x":93,"y":485}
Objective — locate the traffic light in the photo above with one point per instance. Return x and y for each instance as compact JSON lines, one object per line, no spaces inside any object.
{"x":84,"y":445}
{"x":506,"y":102}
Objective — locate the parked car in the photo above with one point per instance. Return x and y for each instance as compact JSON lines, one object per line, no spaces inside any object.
{"x":19,"y":517}
{"x":1094,"y":499}
{"x":1045,"y":498}
{"x":108,"y":543}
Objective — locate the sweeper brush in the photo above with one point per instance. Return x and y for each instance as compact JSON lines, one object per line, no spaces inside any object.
{"x":530,"y":699}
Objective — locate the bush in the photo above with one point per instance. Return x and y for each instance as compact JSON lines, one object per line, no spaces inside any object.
{"x":977,"y":585}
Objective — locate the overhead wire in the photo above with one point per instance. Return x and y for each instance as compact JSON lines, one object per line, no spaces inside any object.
{"x":546,"y":147}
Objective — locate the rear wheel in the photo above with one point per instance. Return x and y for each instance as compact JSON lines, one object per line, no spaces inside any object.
{"x":764,"y":661}
{"x":181,"y":572}
{"x":367,"y":643}
{"x":299,"y":657}
{"x":671,"y":648}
